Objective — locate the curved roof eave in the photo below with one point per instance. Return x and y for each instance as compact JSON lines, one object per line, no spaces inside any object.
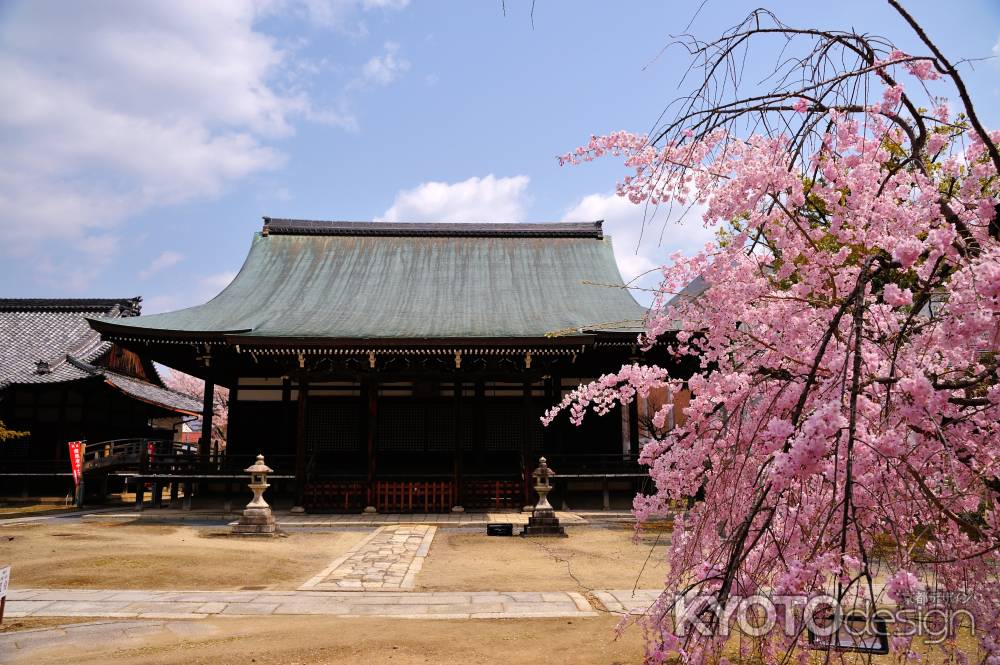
{"x":118,"y":327}
{"x":329,"y":284}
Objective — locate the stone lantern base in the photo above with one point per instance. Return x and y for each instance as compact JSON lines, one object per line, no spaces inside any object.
{"x":255,"y":522}
{"x":543,"y":522}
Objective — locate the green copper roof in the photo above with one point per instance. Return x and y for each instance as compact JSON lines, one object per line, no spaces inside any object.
{"x":355,"y":280}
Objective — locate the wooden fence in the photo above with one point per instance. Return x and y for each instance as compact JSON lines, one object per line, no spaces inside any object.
{"x":414,"y":496}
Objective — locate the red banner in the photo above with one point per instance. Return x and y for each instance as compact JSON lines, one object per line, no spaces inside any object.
{"x":76,"y":460}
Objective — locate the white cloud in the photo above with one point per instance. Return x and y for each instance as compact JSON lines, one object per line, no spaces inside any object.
{"x":211,"y":285}
{"x":385,"y":4}
{"x":66,"y":270}
{"x":641,"y":246}
{"x":120,"y":107}
{"x":341,"y":15}
{"x":386,"y":68}
{"x":164,"y":260}
{"x":488,"y":199}
{"x":126,"y":106}
{"x":205,"y":288}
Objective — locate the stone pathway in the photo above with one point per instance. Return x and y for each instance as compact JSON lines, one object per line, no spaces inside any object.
{"x":172,"y":605}
{"x":22,"y":646}
{"x":388,"y":559}
{"x":627,"y":601}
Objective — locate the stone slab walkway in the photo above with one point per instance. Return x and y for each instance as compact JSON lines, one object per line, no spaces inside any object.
{"x":170,"y":605}
{"x":627,"y":601}
{"x":22,"y":646}
{"x":388,"y":559}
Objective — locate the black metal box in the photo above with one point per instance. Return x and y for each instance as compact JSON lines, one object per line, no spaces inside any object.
{"x":499,"y":529}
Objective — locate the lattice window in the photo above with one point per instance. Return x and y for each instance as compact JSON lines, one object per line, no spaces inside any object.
{"x":536,"y":433}
{"x":401,"y":426}
{"x":504,"y":425}
{"x":470,"y":426}
{"x":332,"y":426}
{"x":441,"y":427}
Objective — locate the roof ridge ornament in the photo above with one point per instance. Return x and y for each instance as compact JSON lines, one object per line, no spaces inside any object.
{"x":101,"y":306}
{"x":278,"y":226}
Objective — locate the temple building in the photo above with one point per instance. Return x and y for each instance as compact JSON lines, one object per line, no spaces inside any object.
{"x":405,"y":367}
{"x":61,"y":382}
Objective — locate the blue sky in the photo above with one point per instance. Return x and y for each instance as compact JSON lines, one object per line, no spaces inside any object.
{"x":140,"y":143}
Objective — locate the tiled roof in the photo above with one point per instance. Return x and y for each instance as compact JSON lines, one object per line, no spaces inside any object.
{"x":153,"y":394}
{"x":50,"y":341}
{"x":371,"y":281}
{"x":34,"y":330}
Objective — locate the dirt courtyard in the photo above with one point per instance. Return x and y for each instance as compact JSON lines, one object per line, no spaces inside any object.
{"x":132,"y":555}
{"x":371,"y":641}
{"x":129,"y":554}
{"x":591,"y":558}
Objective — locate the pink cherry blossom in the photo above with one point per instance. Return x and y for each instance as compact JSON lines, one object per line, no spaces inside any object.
{"x":897,"y":297}
{"x":844,"y":346}
{"x":902,"y":585}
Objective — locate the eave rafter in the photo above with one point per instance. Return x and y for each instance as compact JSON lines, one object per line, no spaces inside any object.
{"x":438,"y":351}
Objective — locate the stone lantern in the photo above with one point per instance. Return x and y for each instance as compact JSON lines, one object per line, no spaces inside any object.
{"x":542,"y":484}
{"x":543,"y":520}
{"x":257,"y":519}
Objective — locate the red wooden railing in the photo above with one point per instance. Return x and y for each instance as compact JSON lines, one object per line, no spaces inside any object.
{"x":335,"y":495}
{"x":412,"y":496}
{"x":489,"y":494}
{"x":436,"y":496}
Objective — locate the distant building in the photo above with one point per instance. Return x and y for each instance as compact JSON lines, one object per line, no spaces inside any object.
{"x":61,"y":382}
{"x":405,"y":366}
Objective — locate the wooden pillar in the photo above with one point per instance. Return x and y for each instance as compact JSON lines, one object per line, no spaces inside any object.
{"x":457,"y":480}
{"x":558,"y":425}
{"x":300,"y":443}
{"x":287,"y":419}
{"x":479,"y":428}
{"x":207,"y":417}
{"x":552,"y":398}
{"x":233,"y":433}
{"x":371,"y":443}
{"x":140,"y":490}
{"x":526,"y":464}
{"x":287,"y":440}
{"x":633,"y":428}
{"x":548,"y":433}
